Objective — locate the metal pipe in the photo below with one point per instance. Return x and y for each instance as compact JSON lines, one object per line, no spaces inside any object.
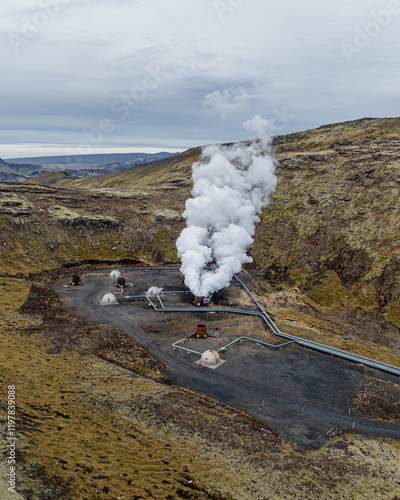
{"x":355,"y":358}
{"x":271,"y":324}
{"x":266,"y":318}
{"x":133,"y":297}
{"x":96,"y":274}
{"x":146,"y":268}
{"x":152,"y":303}
{"x":159,"y":298}
{"x":272,"y":346}
{"x":176,"y":346}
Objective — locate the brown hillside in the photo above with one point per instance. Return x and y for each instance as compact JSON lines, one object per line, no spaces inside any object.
{"x":47,"y":179}
{"x":170,"y":169}
{"x":94,"y":416}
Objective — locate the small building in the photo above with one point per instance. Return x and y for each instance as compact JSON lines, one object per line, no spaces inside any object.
{"x":199,"y":301}
{"x":153,"y":291}
{"x":115,"y":274}
{"x":201,"y":331}
{"x":210,"y":359}
{"x":109,"y":299}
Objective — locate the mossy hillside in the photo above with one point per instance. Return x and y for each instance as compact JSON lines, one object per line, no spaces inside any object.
{"x":82,"y":227}
{"x":363,"y":129}
{"x":330,"y":293}
{"x":177,"y":168}
{"x":80,"y":414}
{"x":69,"y":216}
{"x":336,"y":209}
{"x":392,"y":313}
{"x":87,"y":429}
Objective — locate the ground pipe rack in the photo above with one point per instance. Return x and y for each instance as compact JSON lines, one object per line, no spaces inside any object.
{"x":355,"y":358}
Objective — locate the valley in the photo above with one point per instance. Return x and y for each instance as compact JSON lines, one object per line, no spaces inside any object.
{"x":97,"y":413}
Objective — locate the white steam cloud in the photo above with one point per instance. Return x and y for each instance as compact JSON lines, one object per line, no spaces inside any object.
{"x":231,"y":184}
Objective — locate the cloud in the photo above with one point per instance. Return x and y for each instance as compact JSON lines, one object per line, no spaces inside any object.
{"x":275,"y":59}
{"x":226,"y":100}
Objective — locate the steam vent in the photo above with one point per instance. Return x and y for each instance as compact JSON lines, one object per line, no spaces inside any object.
{"x":210,"y":359}
{"x":109,"y":299}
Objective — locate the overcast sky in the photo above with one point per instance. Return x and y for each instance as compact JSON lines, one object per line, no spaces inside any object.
{"x":85,"y":76}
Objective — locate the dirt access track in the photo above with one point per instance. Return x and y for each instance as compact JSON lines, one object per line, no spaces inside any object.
{"x":304,"y":395}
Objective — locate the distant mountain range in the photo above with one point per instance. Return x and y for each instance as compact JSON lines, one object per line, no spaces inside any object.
{"x":21,"y":169}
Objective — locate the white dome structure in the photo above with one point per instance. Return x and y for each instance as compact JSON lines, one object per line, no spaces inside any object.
{"x":153,"y":291}
{"x":115,"y":274}
{"x":109,"y":299}
{"x":210,"y":359}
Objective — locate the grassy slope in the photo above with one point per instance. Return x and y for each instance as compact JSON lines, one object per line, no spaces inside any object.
{"x":336,"y":237}
{"x":80,"y":434}
{"x":141,"y":175}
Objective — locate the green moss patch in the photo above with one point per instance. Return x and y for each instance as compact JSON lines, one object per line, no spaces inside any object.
{"x":364,"y":296}
{"x":329,"y":292}
{"x":393,"y":313}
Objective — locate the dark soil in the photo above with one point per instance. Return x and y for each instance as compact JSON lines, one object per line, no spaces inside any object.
{"x":379,"y":400}
{"x":64,"y":331}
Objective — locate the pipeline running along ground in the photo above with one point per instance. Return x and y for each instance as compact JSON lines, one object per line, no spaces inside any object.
{"x":300,"y":392}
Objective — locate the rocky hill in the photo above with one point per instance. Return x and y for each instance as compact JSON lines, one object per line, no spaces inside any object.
{"x":175,"y":171}
{"x":331,"y":229}
{"x":81,"y":166}
{"x":329,"y":235}
{"x":326,"y":264}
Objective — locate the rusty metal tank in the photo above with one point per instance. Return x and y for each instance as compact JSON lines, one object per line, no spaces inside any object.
{"x":199,"y":301}
{"x":76,"y":280}
{"x":201,"y":331}
{"x":121,"y":282}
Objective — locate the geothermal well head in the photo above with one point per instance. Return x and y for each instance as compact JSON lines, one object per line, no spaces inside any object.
{"x":201,"y":331}
{"x":199,"y":301}
{"x":109,"y":299}
{"x":210,"y":359}
{"x":115,"y":274}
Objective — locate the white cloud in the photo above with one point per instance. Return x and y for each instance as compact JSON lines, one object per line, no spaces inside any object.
{"x":226,"y":100}
{"x":264,"y":57}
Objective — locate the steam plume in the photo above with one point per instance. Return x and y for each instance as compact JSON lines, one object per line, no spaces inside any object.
{"x":230,"y":185}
